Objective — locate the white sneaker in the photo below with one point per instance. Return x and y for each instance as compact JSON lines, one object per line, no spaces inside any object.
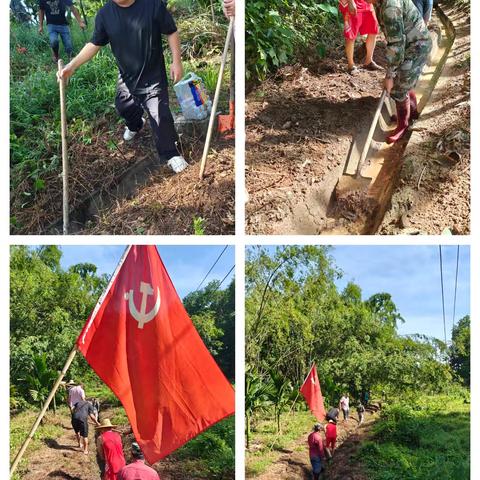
{"x":177,"y":164}
{"x":129,"y":135}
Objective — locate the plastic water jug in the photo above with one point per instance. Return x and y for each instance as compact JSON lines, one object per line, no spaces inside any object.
{"x":192,"y":97}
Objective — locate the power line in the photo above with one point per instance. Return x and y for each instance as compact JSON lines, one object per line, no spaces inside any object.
{"x":456,"y":282}
{"x":211,"y":268}
{"x":223,"y":279}
{"x":455,"y":295}
{"x":443,"y":297}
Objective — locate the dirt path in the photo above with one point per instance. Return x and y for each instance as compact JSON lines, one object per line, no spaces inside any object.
{"x":61,"y":459}
{"x":294,"y":463}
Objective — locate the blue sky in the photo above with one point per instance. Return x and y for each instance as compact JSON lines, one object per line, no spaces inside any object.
{"x":411,"y":274}
{"x":186,"y":265}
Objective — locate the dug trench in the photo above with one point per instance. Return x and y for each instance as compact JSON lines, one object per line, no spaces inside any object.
{"x":293,"y":463}
{"x":121,"y":188}
{"x":306,"y":124}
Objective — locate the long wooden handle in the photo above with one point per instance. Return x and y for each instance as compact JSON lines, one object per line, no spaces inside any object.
{"x":20,"y":453}
{"x":63,"y":119}
{"x":373,"y":126}
{"x":215,"y":99}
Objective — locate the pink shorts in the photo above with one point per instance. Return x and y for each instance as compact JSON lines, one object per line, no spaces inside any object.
{"x":363,"y":23}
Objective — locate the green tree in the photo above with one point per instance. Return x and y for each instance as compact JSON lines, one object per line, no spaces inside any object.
{"x":460,"y":350}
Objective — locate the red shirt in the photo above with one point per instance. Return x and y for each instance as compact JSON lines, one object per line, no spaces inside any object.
{"x":138,"y":471}
{"x":315,"y":445}
{"x":113,"y":453}
{"x":331,"y":430}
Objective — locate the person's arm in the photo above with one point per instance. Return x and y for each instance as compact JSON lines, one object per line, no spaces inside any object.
{"x":229,"y":8}
{"x":86,"y":54}
{"x":41,"y":16}
{"x":76,"y":14}
{"x":176,"y":68}
{"x":94,"y":420}
{"x":352,"y":7}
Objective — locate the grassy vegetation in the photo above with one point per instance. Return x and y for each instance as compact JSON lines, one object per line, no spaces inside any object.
{"x":427,"y":438}
{"x":20,"y":426}
{"x":266,"y":444}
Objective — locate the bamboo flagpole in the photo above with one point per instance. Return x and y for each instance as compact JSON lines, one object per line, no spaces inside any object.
{"x":216,"y":97}
{"x":65,"y":368}
{"x":63,"y":118}
{"x":20,"y":453}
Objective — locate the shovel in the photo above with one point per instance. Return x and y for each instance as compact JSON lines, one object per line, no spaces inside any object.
{"x":215,"y":99}
{"x":63,"y":119}
{"x":226,"y":123}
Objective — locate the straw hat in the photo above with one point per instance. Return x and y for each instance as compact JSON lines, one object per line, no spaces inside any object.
{"x":71,"y":383}
{"x":105,"y":424}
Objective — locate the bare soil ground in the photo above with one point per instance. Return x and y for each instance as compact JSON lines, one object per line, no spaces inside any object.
{"x":294,"y":463}
{"x":61,"y":459}
{"x":300,"y":126}
{"x":166,"y":205}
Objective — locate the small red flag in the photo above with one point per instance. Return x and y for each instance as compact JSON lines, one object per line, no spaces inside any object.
{"x":141,"y":342}
{"x":313,"y":394}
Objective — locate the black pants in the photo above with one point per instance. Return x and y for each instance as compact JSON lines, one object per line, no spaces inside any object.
{"x":155,"y":102}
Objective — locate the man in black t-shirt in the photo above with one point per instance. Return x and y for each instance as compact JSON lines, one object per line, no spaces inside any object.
{"x":134,"y":30}
{"x":81,"y":412}
{"x":55,"y":11}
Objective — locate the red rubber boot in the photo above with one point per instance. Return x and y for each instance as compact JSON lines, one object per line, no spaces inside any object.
{"x":403,"y":117}
{"x":413,"y":105}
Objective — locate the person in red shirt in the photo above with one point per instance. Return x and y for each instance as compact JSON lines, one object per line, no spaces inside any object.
{"x":359,"y":18}
{"x":331,"y":437}
{"x":137,"y":470}
{"x":316,"y":450}
{"x":110,"y":450}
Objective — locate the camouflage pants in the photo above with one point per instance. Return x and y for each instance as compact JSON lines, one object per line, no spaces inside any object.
{"x":409,"y":71}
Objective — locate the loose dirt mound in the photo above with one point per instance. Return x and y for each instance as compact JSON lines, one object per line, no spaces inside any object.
{"x":169,"y":203}
{"x":295,"y":463}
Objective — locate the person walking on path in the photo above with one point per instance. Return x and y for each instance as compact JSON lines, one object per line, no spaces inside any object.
{"x":57,"y":25}
{"x":408,"y":47}
{"x":425,"y":7}
{"x":333,"y":414}
{"x":137,"y":470}
{"x":316,"y":450}
{"x":361,"y":412}
{"x":76,"y":394}
{"x":359,"y":19}
{"x":82,"y":411}
{"x":110,"y":450}
{"x":345,"y":406}
{"x":330,"y":437}
{"x":134,"y":30}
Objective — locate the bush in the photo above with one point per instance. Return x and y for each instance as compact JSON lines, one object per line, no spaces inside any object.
{"x":215,"y":447}
{"x":276,"y":30}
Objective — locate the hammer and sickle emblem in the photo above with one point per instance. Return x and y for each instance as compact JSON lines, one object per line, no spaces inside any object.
{"x":142,"y":316}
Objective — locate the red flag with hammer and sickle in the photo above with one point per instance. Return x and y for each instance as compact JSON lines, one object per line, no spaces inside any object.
{"x":313,"y":394}
{"x":141,"y":342}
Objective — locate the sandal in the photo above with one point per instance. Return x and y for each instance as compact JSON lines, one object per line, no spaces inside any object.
{"x":352,"y":70}
{"x":373,"y":67}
